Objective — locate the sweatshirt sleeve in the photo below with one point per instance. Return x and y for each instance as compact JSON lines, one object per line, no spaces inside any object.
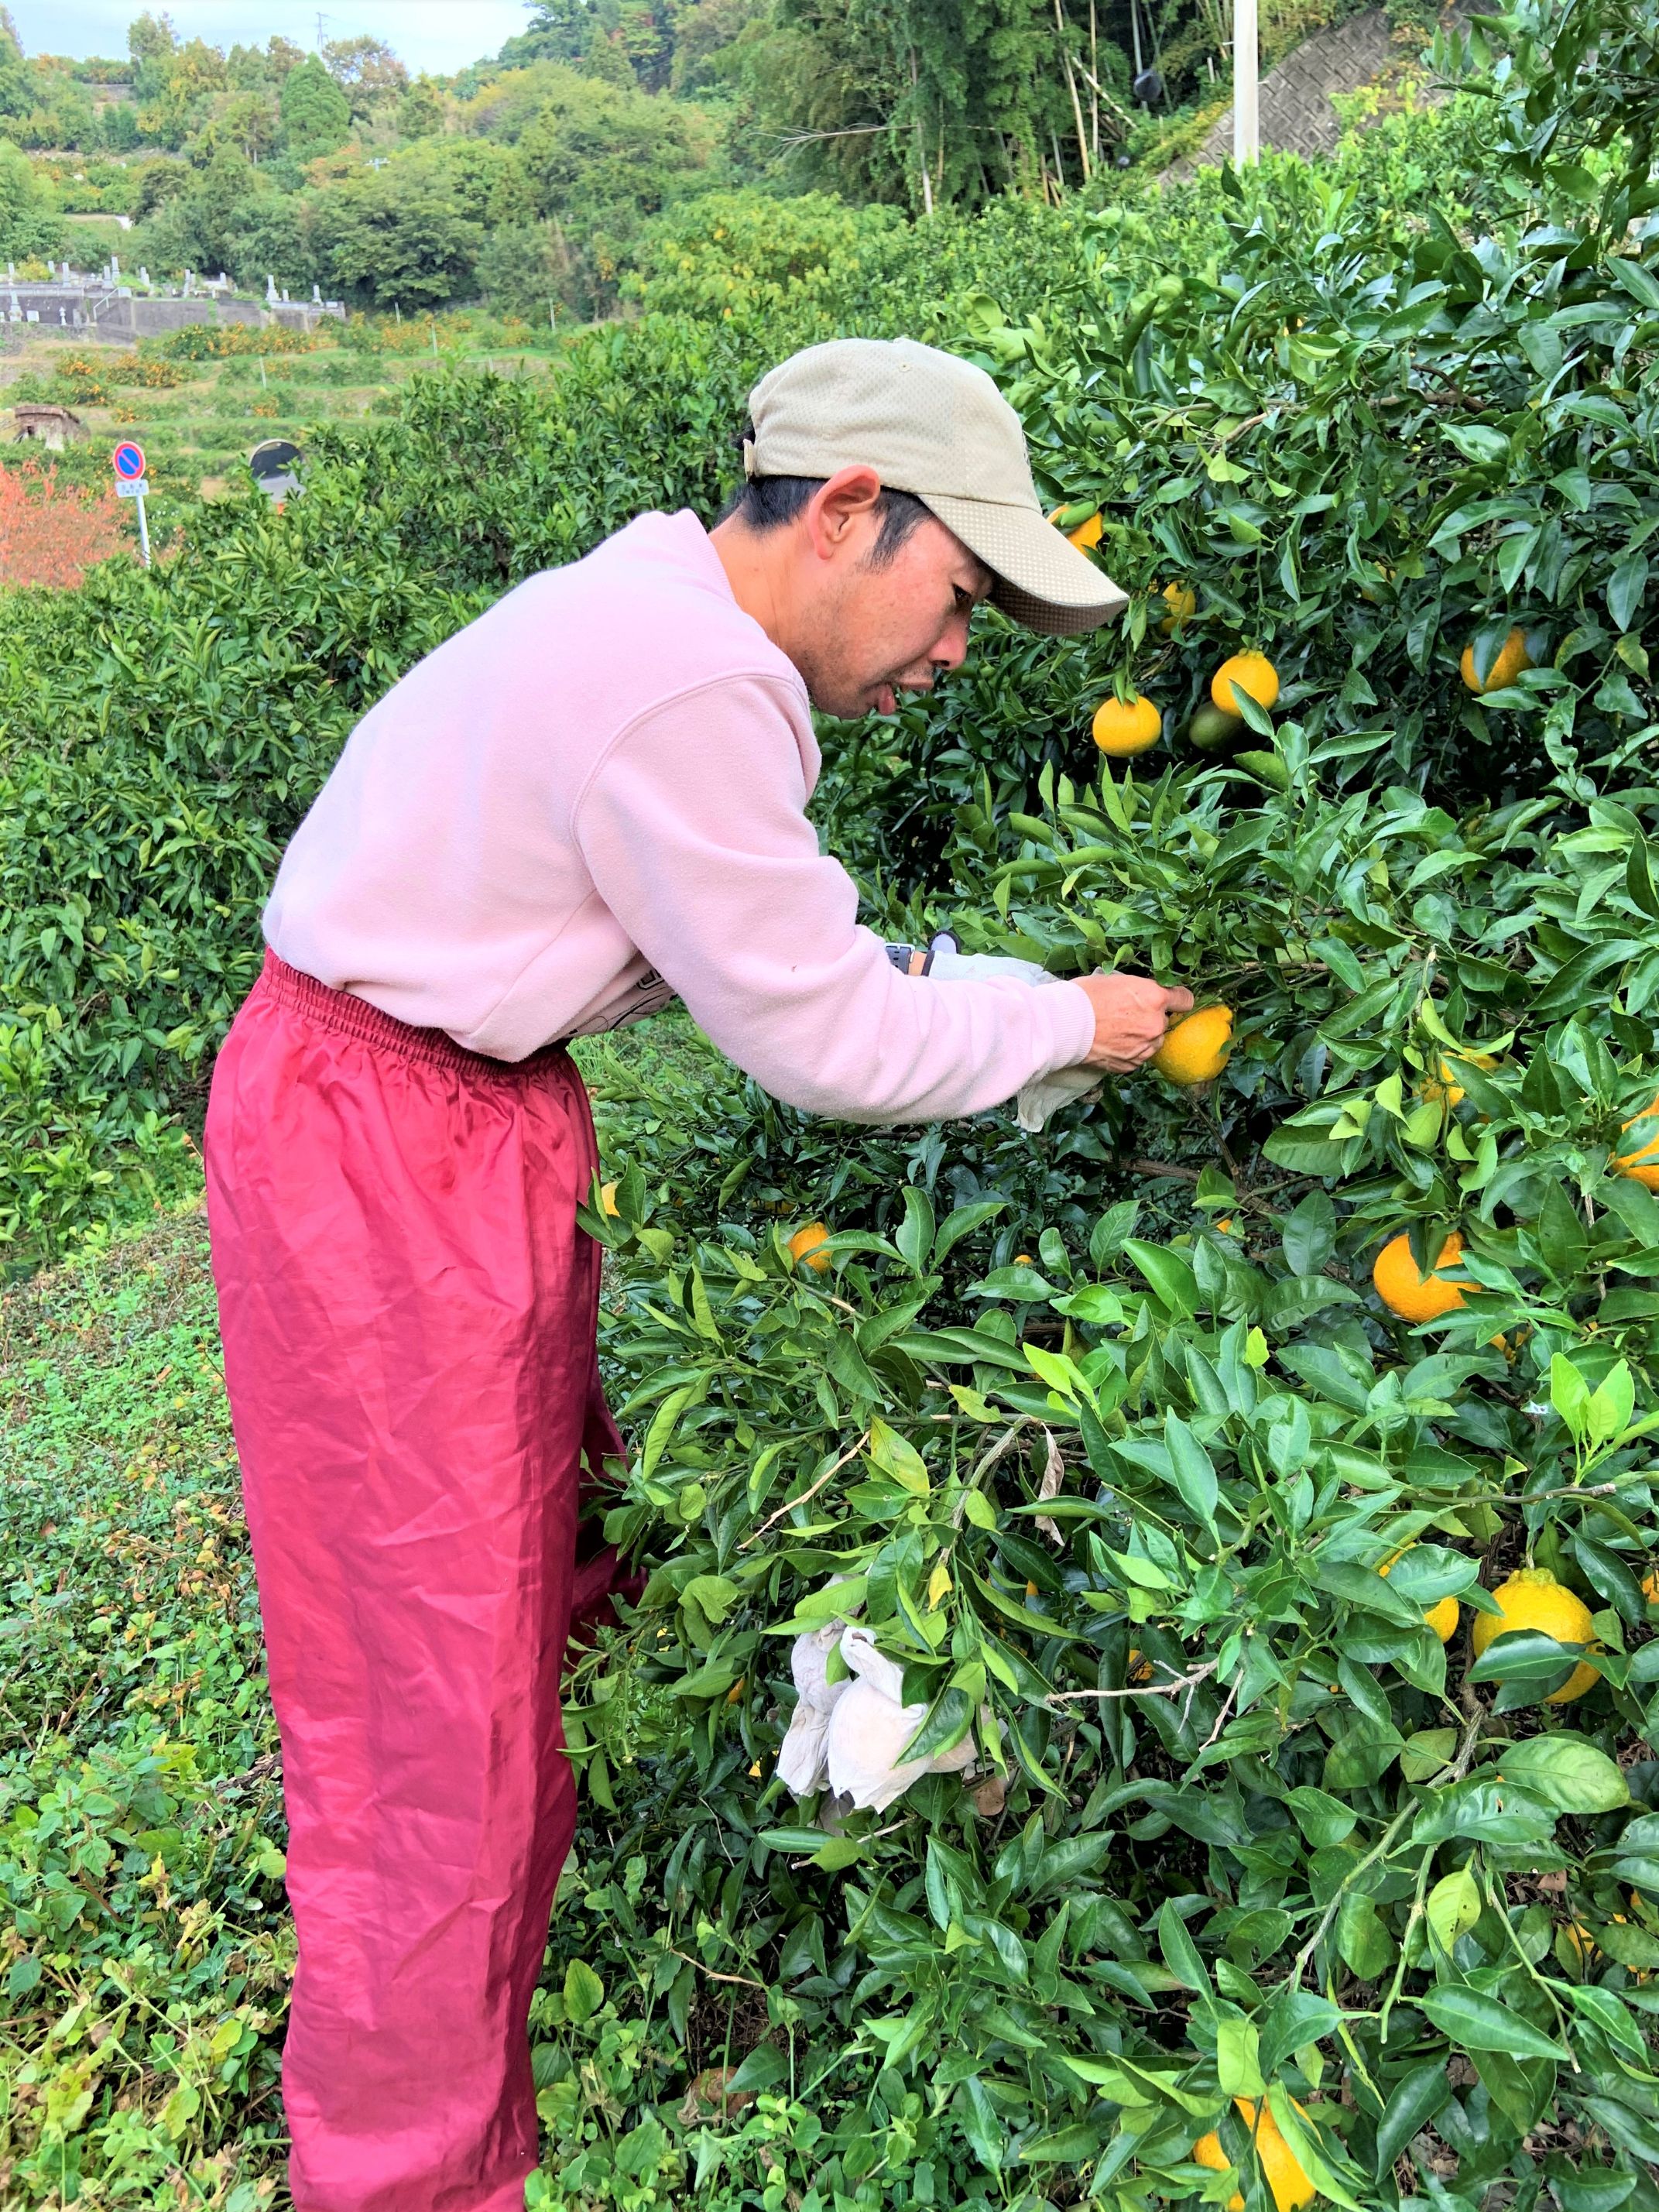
{"x":694,"y":828}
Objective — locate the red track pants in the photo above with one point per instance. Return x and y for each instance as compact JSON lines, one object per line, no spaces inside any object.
{"x":408,"y":1310}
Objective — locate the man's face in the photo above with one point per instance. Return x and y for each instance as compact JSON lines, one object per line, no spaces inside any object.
{"x":864,"y":633}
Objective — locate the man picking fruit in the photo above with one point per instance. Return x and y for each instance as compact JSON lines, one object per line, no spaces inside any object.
{"x":592,"y":799}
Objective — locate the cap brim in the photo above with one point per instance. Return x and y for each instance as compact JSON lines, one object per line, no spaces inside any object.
{"x":1043,"y":581}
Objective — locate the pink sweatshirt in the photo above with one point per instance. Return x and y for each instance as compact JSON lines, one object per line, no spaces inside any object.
{"x":593,"y":797}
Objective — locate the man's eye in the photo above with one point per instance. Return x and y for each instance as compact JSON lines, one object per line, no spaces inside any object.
{"x":965,"y":600}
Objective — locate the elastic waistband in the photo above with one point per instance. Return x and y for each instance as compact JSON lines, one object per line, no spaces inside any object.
{"x":349,"y":1016}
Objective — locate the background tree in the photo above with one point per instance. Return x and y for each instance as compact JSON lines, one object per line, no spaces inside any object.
{"x":29,"y":223}
{"x":316,"y":114}
{"x":367,"y":72}
{"x":422,"y":110}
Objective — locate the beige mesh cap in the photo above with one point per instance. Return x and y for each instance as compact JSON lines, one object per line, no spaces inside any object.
{"x":938,"y":427}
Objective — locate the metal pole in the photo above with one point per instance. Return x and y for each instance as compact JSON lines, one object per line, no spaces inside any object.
{"x":144,"y":528}
{"x":1247,"y":122}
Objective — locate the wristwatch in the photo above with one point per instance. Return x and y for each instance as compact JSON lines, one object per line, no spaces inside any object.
{"x":917,"y":959}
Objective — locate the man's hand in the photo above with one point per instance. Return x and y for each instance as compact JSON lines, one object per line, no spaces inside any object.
{"x":1132,"y":1014}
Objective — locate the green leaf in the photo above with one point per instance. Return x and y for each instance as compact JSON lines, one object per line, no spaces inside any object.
{"x":1413,"y":2103}
{"x":1181,"y":1953}
{"x":1238,"y":2068}
{"x":1571,"y":1773}
{"x":1477,"y":2023}
{"x":584,"y":1992}
{"x":1453,"y":1906}
{"x":1626,"y":589}
{"x":1193,"y":1471}
{"x":1426,"y":1752}
{"x":1171,"y":1276}
{"x":913,"y":1237}
{"x":1322,"y":1819}
{"x":897,"y":1458}
{"x":1365,"y":1944}
{"x":1362,"y":1753}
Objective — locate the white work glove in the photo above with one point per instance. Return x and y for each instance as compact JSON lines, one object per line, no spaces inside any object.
{"x":1045,"y":1094}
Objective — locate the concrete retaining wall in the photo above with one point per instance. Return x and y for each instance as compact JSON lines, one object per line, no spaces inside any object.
{"x":117,"y":318}
{"x":1296,"y":109}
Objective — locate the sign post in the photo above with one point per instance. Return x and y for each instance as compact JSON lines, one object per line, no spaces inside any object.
{"x":130,"y":484}
{"x":1247,"y":123}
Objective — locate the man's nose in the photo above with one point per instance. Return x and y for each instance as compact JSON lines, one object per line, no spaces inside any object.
{"x":949,"y":649}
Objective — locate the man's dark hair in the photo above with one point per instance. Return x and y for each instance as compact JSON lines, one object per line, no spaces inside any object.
{"x":765,"y":504}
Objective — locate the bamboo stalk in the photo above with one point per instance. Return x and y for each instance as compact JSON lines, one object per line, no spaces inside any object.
{"x":1071,"y":86}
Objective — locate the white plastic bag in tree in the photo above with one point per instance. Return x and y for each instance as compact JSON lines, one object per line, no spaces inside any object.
{"x":802,"y":1758}
{"x":870,"y":1725}
{"x":850,"y":1733}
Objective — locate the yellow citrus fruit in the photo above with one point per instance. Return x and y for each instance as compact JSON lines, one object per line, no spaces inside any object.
{"x":1086,"y":534}
{"x":1442,"y":1617}
{"x":1182,"y":602}
{"x":1253,"y":673}
{"x":608,"y":1199}
{"x":1445,"y":1084}
{"x":1532,"y":1598}
{"x":1137,"y":1668}
{"x":1411,"y":1296}
{"x":1022,"y":1259}
{"x":1291,"y":2186}
{"x":1642,"y":1164}
{"x":1195,"y":1049}
{"x":1122,"y":729}
{"x":1512,"y":658}
{"x":804,"y":1247}
{"x":1207,"y":2151}
{"x":1650,"y":1586}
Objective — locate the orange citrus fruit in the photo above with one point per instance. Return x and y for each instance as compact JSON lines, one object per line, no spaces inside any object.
{"x":1291,"y":2186}
{"x":1086,"y":534}
{"x":1122,"y":729}
{"x":1195,"y":1049}
{"x":1253,"y":673}
{"x":1411,"y":1296}
{"x":608,"y":1199}
{"x":1642,"y":1164}
{"x":1532,"y":1598}
{"x":1512,"y":658}
{"x":804,"y":1247}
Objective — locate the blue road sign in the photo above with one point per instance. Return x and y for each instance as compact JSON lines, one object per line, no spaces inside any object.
{"x":129,"y":461}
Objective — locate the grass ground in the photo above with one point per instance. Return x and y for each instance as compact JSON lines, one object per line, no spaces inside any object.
{"x":145,"y":1941}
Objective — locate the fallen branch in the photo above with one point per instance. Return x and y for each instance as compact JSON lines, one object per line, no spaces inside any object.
{"x":747,"y":1982}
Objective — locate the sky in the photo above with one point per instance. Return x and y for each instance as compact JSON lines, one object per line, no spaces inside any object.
{"x":439,"y":35}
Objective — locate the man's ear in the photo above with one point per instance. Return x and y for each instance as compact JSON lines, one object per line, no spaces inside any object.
{"x":834,"y":511}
